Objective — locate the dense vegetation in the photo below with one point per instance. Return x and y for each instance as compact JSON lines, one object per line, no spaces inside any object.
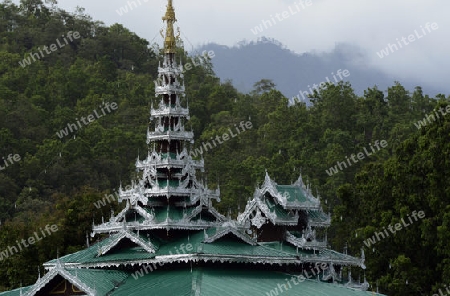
{"x":58,"y":179}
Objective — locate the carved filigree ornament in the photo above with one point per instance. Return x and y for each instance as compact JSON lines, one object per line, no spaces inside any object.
{"x":258,"y":220}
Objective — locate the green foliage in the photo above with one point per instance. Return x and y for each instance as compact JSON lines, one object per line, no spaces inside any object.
{"x":59,"y":179}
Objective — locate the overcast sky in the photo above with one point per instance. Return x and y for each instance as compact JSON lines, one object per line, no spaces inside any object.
{"x":368,"y":24}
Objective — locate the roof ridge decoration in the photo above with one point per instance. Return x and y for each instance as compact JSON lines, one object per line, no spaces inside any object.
{"x":148,"y":216}
{"x":198,"y":209}
{"x":124,"y":233}
{"x":303,"y":242}
{"x":330,"y":273}
{"x":227,"y":228}
{"x":248,"y":208}
{"x":306,"y":190}
{"x":271,"y":186}
{"x":261,"y":208}
{"x":59,"y":270}
{"x":122,"y":213}
{"x":299,"y":182}
{"x":133,"y":195}
{"x":258,"y":220}
{"x":116,"y":221}
{"x":351,"y":284}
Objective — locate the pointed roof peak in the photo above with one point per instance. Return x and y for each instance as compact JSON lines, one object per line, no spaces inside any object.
{"x":169,"y":38}
{"x":267,"y":177}
{"x":170,"y":13}
{"x":299,"y":182}
{"x":268,"y":182}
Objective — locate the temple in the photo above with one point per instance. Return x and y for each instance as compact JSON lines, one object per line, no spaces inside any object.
{"x":170,"y":240}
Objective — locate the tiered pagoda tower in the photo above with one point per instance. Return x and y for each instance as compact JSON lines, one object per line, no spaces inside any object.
{"x":168,"y":195}
{"x":169,"y":239}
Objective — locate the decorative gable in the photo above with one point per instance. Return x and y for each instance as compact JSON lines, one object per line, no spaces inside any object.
{"x":62,"y":278}
{"x":125,"y":234}
{"x":228,"y":228}
{"x":197,"y":212}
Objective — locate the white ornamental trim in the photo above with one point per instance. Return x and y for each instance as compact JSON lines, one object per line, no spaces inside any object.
{"x":258,"y":220}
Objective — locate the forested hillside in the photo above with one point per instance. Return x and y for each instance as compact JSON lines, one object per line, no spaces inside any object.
{"x":60,"y":176}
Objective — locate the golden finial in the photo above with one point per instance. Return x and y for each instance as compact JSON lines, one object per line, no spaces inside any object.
{"x":170,"y":39}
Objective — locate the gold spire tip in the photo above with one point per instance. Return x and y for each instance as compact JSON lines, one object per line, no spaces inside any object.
{"x":170,"y":39}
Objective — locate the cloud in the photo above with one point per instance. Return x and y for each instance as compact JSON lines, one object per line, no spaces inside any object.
{"x":369,"y":25}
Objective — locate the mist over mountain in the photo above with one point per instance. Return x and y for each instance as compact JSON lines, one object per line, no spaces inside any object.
{"x":249,"y":62}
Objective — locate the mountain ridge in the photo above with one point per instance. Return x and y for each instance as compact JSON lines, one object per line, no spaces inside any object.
{"x":248,"y":62}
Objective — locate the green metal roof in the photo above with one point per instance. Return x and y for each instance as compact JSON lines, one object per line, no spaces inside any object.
{"x":204,"y":282}
{"x":318,"y":217}
{"x":324,"y":255}
{"x":166,"y":155}
{"x":282,"y":214}
{"x":227,"y":282}
{"x":90,"y":255}
{"x":102,"y":281}
{"x":295,"y":195}
{"x":229,"y":246}
{"x":15,"y":292}
{"x":224,"y":246}
{"x":162,"y":183}
{"x":171,"y":212}
{"x":170,"y":283}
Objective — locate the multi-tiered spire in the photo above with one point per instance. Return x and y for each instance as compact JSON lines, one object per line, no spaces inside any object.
{"x":168,"y":194}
